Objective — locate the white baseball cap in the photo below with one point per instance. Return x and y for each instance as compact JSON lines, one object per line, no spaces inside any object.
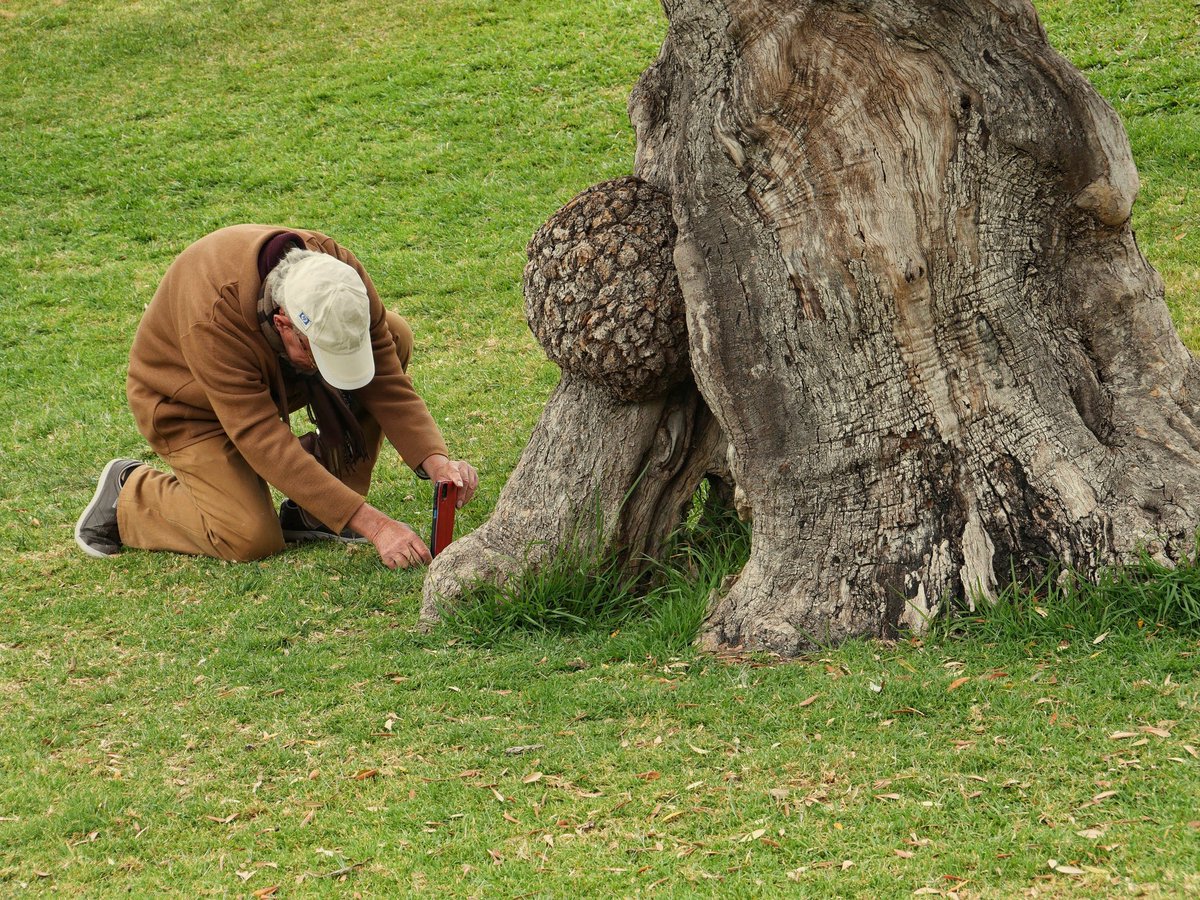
{"x":327,"y":302}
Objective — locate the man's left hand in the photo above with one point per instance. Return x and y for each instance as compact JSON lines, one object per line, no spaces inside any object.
{"x":460,"y":473}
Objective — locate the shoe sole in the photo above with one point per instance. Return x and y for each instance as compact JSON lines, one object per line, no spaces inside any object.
{"x":83,"y":545}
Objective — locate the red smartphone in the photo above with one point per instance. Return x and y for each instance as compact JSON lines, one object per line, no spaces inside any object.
{"x":445,"y":499}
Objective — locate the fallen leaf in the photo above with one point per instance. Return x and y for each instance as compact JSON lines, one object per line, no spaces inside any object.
{"x":1064,"y":870}
{"x":308,"y":817}
{"x":225,"y":821}
{"x":1091,"y":834}
{"x":649,"y":776}
{"x":523,"y":748}
{"x":1157,"y":732}
{"x":809,"y":701}
{"x":753,"y":836}
{"x":887,"y":796}
{"x":927,"y":892}
{"x":532,"y":777}
{"x":846,"y":864}
{"x":1192,"y":750}
{"x":508,"y":817}
{"x":1122,"y":735}
{"x":904,"y":854}
{"x":262,"y":893}
{"x":1099,"y":638}
{"x":699,"y":750}
{"x":497,"y":859}
{"x":364,"y":774}
{"x":957,"y":683}
{"x":245,"y":876}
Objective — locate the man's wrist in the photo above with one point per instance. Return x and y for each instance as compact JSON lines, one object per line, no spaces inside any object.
{"x":432,"y":466}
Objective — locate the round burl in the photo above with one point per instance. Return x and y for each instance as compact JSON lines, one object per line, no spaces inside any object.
{"x":601,"y":293}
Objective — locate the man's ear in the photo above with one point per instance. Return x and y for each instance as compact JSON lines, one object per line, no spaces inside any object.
{"x":281,"y":320}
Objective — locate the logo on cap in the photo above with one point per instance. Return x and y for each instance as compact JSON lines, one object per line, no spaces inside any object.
{"x":305,"y":319}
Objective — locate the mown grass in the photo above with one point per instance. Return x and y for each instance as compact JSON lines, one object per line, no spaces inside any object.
{"x":175,"y":725}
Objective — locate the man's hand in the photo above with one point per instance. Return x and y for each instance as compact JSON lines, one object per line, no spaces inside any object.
{"x":462,"y":474}
{"x":398,"y":545}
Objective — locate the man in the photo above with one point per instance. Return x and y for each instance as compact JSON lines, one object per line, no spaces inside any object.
{"x":251,"y":323}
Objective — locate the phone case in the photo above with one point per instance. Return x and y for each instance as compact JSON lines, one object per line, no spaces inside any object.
{"x":445,"y":497}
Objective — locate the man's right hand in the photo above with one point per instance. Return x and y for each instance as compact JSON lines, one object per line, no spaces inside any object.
{"x":398,"y":545}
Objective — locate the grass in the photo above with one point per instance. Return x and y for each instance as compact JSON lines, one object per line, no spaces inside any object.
{"x":183,"y":726}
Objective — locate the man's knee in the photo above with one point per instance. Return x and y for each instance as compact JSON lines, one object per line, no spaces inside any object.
{"x":248,"y":544}
{"x":403,"y":337}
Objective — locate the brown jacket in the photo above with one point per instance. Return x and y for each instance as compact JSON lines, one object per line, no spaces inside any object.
{"x":200,"y":367}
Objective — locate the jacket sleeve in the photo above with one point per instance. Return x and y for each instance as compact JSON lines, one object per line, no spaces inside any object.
{"x":226,"y":367}
{"x":390,"y":396}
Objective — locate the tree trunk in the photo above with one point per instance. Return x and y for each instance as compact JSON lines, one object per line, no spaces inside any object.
{"x":915,"y":308}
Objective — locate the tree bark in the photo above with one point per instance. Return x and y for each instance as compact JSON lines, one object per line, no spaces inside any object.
{"x":914,"y":307}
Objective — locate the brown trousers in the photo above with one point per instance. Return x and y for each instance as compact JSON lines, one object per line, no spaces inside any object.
{"x":213,"y":503}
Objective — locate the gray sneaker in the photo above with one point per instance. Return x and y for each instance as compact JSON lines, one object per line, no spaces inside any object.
{"x":299,"y":527}
{"x":96,"y":531}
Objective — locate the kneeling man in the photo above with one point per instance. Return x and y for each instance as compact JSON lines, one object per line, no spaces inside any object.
{"x":251,"y":323}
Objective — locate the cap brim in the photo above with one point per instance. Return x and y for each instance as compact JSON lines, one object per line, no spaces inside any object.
{"x":346,"y":371}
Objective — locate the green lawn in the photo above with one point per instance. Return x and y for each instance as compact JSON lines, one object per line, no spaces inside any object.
{"x":179,"y":725}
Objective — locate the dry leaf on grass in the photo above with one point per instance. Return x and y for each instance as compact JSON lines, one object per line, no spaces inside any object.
{"x":523,"y":748}
{"x":1064,"y":869}
{"x":957,"y":683}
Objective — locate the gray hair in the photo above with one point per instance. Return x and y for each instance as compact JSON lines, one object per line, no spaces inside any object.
{"x":278,"y":275}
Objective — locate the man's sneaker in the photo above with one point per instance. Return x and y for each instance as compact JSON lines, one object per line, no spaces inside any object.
{"x":299,"y":527}
{"x":96,"y":531}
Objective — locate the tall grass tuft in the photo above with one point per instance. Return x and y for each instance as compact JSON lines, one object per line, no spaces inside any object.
{"x":655,"y":612}
{"x":1143,"y":596}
